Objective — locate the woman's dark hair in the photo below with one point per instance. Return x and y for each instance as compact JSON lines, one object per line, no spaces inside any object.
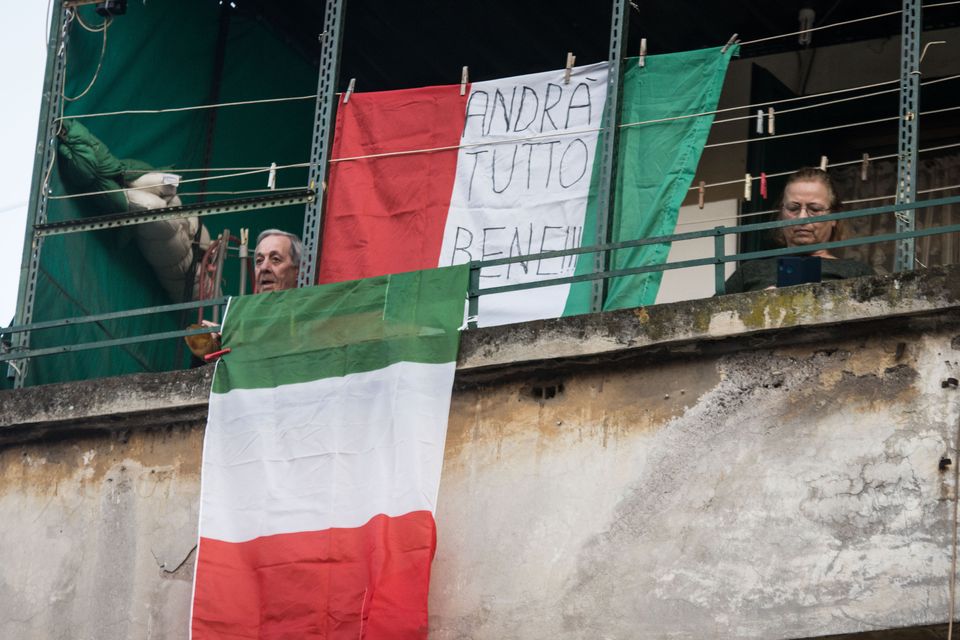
{"x":812,"y":174}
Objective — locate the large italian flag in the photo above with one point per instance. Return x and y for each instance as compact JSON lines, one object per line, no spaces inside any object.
{"x":429,"y":177}
{"x":322,"y":459}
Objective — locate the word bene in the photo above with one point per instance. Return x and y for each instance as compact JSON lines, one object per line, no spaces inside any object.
{"x":491,"y":243}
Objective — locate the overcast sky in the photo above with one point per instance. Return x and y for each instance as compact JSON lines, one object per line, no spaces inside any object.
{"x":22,"y":56}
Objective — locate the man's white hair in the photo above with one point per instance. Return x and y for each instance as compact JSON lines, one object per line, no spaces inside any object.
{"x":296,"y":246}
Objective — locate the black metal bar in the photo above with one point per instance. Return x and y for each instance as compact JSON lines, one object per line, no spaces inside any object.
{"x":115,"y":315}
{"x":331,"y":40}
{"x":126,"y":218}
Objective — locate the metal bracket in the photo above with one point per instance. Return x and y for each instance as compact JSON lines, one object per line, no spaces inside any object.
{"x":125,"y":219}
{"x":331,"y":39}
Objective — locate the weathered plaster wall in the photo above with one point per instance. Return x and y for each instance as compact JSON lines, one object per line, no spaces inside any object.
{"x":774,"y":493}
{"x":754,"y":466}
{"x":98,"y":535}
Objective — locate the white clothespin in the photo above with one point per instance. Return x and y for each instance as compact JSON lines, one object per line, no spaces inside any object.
{"x":272,"y":176}
{"x":748,"y":187}
{"x":700,"y":193}
{"x":759,"y":121}
{"x":464,"y":79}
{"x":823,"y":163}
{"x":569,"y":70}
{"x":730,"y":43}
{"x":349,"y":91}
{"x":771,"y":130}
{"x":643,"y":53}
{"x":864,"y":167}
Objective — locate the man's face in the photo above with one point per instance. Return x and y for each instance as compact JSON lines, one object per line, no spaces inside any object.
{"x":274,"y":269}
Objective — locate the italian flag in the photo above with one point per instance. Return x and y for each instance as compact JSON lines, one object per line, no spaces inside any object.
{"x":428,"y":177}
{"x":322,"y":459}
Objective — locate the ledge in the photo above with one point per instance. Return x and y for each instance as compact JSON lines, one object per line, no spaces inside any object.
{"x":917,"y":293}
{"x":160,"y":399}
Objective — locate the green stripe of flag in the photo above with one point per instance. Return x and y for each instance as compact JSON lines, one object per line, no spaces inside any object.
{"x":334,"y":330}
{"x":656,"y":166}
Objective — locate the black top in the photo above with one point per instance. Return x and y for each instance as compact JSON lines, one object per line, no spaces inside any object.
{"x":757,"y":275}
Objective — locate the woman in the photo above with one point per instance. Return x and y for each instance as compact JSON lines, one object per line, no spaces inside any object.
{"x":809,"y":193}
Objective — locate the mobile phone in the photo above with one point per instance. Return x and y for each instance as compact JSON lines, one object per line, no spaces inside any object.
{"x":793,"y":270}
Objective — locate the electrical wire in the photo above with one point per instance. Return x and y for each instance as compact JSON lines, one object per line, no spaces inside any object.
{"x":822,"y":129}
{"x":725,"y":183}
{"x":188,"y":180}
{"x":98,"y":29}
{"x":103,"y":50}
{"x":826,"y":26}
{"x":208,"y":169}
{"x":191,"y":108}
{"x":754,"y":214}
{"x":843,"y":23}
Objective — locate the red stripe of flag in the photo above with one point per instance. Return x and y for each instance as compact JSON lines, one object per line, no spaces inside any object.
{"x":368,"y":582}
{"x":387,"y":215}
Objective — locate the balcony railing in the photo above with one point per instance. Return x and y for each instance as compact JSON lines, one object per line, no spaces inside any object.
{"x":718,"y":260}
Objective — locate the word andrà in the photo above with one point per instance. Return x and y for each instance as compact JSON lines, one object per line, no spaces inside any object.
{"x":524,"y":109}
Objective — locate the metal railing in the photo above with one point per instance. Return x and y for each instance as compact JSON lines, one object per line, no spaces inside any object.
{"x":718,"y":260}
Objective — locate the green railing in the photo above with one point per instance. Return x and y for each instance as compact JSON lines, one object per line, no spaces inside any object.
{"x":475,"y":292}
{"x":718,"y":259}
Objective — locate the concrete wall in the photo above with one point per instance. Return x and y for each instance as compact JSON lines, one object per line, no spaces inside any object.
{"x":753,"y":466}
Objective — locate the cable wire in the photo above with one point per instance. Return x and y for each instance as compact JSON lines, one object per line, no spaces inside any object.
{"x":820,"y":28}
{"x":822,"y":129}
{"x":103,"y":50}
{"x":188,"y":180}
{"x":754,"y":214}
{"x":191,"y":108}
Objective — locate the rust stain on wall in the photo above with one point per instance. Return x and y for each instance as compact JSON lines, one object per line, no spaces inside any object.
{"x":40,"y":468}
{"x":599,"y":406}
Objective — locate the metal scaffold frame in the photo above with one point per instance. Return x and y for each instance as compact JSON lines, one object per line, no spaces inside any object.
{"x":42,"y":166}
{"x":331,"y":44}
{"x":912,"y":25}
{"x":331,"y":40}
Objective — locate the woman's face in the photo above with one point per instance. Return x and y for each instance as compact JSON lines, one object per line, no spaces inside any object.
{"x":807,"y":199}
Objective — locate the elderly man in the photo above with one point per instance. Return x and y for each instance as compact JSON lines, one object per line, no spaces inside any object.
{"x":276,"y":261}
{"x":276,"y":265}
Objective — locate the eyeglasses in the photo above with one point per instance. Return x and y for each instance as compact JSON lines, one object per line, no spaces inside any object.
{"x":793,"y":209}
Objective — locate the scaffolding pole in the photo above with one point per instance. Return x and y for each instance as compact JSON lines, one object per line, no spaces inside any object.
{"x":608,"y":158}
{"x":909,"y":122}
{"x":331,"y":39}
{"x":42,"y":167}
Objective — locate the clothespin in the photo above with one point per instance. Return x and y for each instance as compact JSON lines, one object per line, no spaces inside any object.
{"x":759,"y":121}
{"x":569,"y":70}
{"x":272,"y":176}
{"x":823,"y":163}
{"x":349,"y":91}
{"x":643,"y":53}
{"x":730,"y":43}
{"x":700,"y":193}
{"x":748,"y":187}
{"x":464,"y":79}
{"x":864,"y":167}
{"x":763,"y":185}
{"x":771,"y":130}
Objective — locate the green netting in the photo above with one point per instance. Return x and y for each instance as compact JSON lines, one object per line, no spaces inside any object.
{"x":165,"y":54}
